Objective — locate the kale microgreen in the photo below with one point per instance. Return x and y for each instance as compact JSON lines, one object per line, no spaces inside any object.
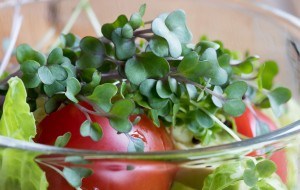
{"x":137,"y":68}
{"x":63,"y":140}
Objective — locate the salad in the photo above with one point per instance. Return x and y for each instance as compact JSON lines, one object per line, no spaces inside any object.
{"x":142,"y":87}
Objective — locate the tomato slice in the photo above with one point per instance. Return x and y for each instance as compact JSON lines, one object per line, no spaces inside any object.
{"x":250,"y":124}
{"x":109,"y":174}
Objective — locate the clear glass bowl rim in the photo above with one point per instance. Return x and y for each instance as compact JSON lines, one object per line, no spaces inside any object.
{"x":281,"y":135}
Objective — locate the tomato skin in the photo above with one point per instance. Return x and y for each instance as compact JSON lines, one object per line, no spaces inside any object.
{"x":109,"y":174}
{"x":246,"y":125}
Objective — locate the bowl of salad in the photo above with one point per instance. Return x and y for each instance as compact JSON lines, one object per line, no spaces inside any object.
{"x":170,"y":95}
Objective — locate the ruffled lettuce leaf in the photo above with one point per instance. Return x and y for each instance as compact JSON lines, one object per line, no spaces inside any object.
{"x":18,"y":170}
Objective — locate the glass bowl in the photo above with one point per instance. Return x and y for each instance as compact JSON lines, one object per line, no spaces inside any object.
{"x":241,"y":25}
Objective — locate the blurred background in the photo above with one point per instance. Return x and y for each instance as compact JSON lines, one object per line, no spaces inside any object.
{"x":40,"y":22}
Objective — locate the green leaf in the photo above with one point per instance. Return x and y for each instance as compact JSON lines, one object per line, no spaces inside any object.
{"x":17,"y":122}
{"x":58,"y":72}
{"x":54,"y":88}
{"x":246,"y":66}
{"x":74,"y":175}
{"x":124,"y":48}
{"x":24,"y":53}
{"x":93,"y":130}
{"x":159,"y":46}
{"x":55,"y":55}
{"x":107,"y":29}
{"x":53,"y":103}
{"x":224,"y":62}
{"x":69,"y":40}
{"x":234,"y":107}
{"x":62,"y":141}
{"x":250,"y":164}
{"x":223,"y":177}
{"x":148,"y":65}
{"x":266,"y":74}
{"x":159,"y":28}
{"x":18,"y":169}
{"x":135,"y":144}
{"x":92,"y":45}
{"x":190,"y":66}
{"x":217,"y":102}
{"x":102,"y":96}
{"x":204,"y":44}
{"x":120,"y":112}
{"x":148,"y":89}
{"x":87,"y":60}
{"x":30,"y":67}
{"x":163,"y":89}
{"x":176,"y":23}
{"x":46,"y":75}
{"x":236,"y":89}
{"x":265,"y":168}
{"x":213,"y":71}
{"x":199,"y":120}
{"x":250,"y":177}
{"x":88,"y":88}
{"x":136,"y":20}
{"x":277,"y":97}
{"x":172,"y":84}
{"x":73,"y":88}
{"x":127,"y":31}
{"x":142,"y":9}
{"x":191,"y":91}
{"x":31,"y":81}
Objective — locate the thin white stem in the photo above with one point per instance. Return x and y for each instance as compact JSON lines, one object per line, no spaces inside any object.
{"x":10,"y":3}
{"x":71,"y":21}
{"x":220,"y":123}
{"x":94,"y":20}
{"x":17,"y":23}
{"x":46,"y":38}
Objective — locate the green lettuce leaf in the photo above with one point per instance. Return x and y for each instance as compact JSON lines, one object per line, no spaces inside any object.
{"x":18,"y":170}
{"x":236,"y":176}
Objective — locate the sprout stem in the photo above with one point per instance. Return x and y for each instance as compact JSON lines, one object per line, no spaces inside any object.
{"x":148,"y":22}
{"x":221,"y":124}
{"x":16,"y":26}
{"x":71,"y":21}
{"x":145,"y":31}
{"x":94,"y":20}
{"x":221,"y":97}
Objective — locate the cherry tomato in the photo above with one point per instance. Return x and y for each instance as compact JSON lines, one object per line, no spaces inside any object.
{"x":247,"y":125}
{"x":109,"y":174}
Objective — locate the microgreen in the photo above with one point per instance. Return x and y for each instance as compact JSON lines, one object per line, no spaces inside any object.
{"x":256,"y":174}
{"x":63,"y":140}
{"x":151,"y":68}
{"x":75,"y":175}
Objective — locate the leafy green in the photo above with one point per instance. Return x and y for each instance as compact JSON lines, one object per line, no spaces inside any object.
{"x":26,"y":53}
{"x":63,"y":140}
{"x":102,"y":96}
{"x":91,"y":129}
{"x":107,"y":29}
{"x":277,"y":98}
{"x":18,"y":169}
{"x":75,"y":175}
{"x":257,"y":174}
{"x":173,"y":29}
{"x":266,"y":74}
{"x":147,"y":65}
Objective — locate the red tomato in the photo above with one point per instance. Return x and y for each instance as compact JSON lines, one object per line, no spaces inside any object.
{"x":109,"y":174}
{"x":247,"y":125}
